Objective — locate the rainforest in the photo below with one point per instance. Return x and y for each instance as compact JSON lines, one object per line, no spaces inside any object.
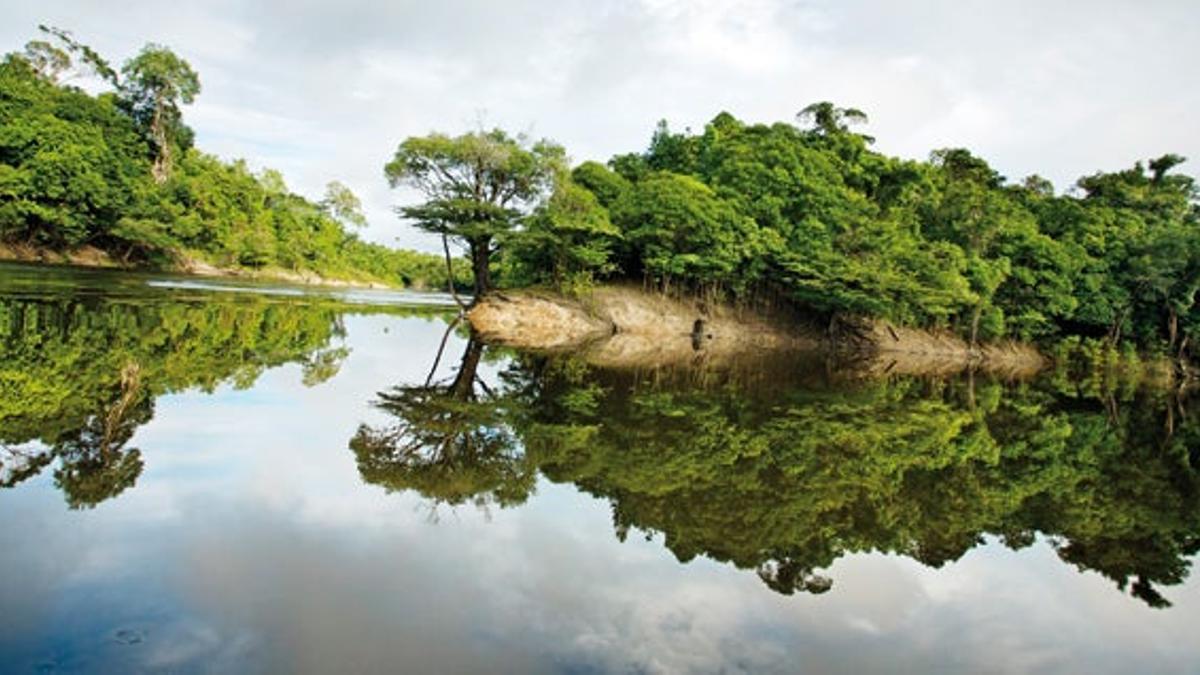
{"x":802,"y":213}
{"x":781,"y":402}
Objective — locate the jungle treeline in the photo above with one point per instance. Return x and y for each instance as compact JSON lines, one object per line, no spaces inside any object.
{"x":117,"y":171}
{"x":808,"y":213}
{"x":802,"y":212}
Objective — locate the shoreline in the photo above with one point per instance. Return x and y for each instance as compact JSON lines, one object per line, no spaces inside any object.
{"x":628,"y":327}
{"x":90,"y":257}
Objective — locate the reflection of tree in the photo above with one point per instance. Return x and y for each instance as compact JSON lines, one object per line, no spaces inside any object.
{"x":79,"y":374}
{"x":786,"y":480}
{"x":19,"y":463}
{"x":322,"y":366}
{"x":787,"y":483}
{"x":94,"y":465}
{"x":789,"y":576}
{"x":450,"y":442}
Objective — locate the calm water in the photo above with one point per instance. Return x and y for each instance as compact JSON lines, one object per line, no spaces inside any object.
{"x":217,"y":477}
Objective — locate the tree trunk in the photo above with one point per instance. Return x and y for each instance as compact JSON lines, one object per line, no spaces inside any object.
{"x":975,"y":325}
{"x":1114,"y":330}
{"x":1172,"y":327}
{"x":450,"y":274}
{"x":162,"y":157}
{"x":480,"y":257}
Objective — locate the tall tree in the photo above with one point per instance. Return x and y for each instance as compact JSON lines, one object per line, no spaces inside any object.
{"x":476,"y":186}
{"x":154,"y":84}
{"x":830,"y":120}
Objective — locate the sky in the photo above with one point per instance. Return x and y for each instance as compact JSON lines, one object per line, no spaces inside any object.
{"x":326,"y":90}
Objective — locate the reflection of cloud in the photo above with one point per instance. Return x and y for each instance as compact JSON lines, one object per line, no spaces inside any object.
{"x":250,"y":543}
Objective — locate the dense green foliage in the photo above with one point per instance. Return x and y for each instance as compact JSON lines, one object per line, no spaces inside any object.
{"x":785,"y":474}
{"x":813,"y":215}
{"x":79,"y":375}
{"x":117,"y":171}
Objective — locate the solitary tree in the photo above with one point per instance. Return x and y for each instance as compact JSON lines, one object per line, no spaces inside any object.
{"x":154,"y":84}
{"x":476,"y":186}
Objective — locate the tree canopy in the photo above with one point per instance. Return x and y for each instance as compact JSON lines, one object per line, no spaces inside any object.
{"x":117,"y":171}
{"x":813,"y":215}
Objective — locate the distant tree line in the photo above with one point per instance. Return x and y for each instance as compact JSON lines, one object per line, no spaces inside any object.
{"x":809,"y":213}
{"x":118,"y":171}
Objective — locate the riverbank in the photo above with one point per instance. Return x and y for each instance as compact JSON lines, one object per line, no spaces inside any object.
{"x":92,"y":257}
{"x":622,"y":326}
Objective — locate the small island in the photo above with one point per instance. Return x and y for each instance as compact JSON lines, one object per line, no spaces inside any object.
{"x":806,"y":226}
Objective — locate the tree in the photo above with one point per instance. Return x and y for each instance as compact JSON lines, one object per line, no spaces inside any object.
{"x":90,"y":57}
{"x":154,"y":84}
{"x":569,"y":238}
{"x":683,"y":231}
{"x":606,"y":184}
{"x":69,"y":162}
{"x":476,"y":187}
{"x":341,"y":203}
{"x":830,"y":120}
{"x":49,"y":61}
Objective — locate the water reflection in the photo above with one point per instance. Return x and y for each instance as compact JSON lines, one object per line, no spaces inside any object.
{"x":79,"y":374}
{"x":450,"y":443}
{"x":786,"y":474}
{"x":235,"y":532}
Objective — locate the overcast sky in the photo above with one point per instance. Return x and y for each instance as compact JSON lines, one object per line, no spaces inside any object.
{"x":325,"y":90}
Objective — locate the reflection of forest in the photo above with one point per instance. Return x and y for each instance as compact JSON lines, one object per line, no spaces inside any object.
{"x":79,"y":375}
{"x":786,"y":478}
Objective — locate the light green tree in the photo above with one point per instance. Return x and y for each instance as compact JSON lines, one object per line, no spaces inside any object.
{"x":476,"y":187}
{"x":154,"y":84}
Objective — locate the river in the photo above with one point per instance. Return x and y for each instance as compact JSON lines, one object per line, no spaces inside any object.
{"x":216,"y":476}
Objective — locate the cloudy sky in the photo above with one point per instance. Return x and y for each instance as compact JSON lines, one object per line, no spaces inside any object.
{"x":325,"y":90}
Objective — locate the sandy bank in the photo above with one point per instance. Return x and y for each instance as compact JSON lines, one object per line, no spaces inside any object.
{"x":617,"y":326}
